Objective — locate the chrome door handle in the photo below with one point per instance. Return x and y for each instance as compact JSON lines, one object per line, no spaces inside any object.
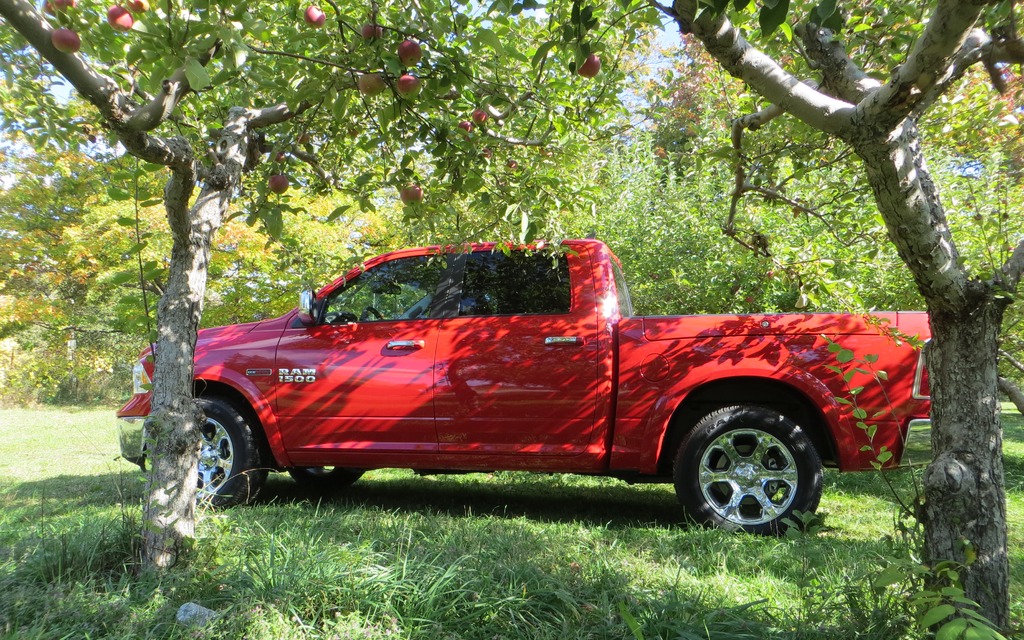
{"x":406,"y":345}
{"x":564,"y":340}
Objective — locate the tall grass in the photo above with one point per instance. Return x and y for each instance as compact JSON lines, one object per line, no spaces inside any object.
{"x":481,"y":556}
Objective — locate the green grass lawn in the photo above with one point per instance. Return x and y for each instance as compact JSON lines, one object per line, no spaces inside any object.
{"x":486,"y":556}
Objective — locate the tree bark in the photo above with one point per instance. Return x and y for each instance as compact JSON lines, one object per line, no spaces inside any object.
{"x":964,"y":514}
{"x":175,"y":418}
{"x":965,"y":480}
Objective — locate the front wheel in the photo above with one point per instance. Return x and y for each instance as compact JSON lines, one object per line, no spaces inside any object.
{"x":229,"y":470}
{"x":747,"y":467}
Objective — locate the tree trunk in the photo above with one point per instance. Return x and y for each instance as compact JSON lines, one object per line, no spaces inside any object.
{"x":965,"y":479}
{"x":175,"y":418}
{"x":965,"y":501}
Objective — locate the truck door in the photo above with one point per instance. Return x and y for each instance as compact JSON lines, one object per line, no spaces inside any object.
{"x":360,"y":382}
{"x":518,"y":367}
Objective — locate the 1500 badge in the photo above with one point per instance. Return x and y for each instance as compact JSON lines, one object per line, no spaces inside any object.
{"x":296,"y":375}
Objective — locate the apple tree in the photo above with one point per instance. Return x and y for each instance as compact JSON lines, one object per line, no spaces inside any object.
{"x":866,"y":75}
{"x":237,"y":104}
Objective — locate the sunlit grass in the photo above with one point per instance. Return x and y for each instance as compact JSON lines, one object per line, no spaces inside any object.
{"x":505,"y":555}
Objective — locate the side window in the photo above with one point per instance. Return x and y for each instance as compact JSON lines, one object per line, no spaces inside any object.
{"x":515,"y":284}
{"x":401,"y":289}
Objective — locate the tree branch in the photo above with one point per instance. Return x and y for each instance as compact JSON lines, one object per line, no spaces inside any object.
{"x":99,"y":90}
{"x":741,"y":59}
{"x":840,"y":76}
{"x":928,"y":69}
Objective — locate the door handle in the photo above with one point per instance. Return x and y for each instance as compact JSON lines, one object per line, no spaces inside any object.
{"x":406,"y":345}
{"x":564,"y":340}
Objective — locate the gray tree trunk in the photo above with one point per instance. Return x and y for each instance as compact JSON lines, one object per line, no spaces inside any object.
{"x":175,"y":418}
{"x":965,"y":502}
{"x":966,"y":476}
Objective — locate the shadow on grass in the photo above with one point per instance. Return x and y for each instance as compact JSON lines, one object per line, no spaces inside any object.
{"x":544,"y":498}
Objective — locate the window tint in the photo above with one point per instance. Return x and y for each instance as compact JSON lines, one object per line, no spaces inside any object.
{"x":401,"y":289}
{"x":515,"y":284}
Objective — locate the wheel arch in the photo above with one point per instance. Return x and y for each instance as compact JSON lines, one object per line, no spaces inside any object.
{"x":204,"y":388}
{"x":751,"y":390}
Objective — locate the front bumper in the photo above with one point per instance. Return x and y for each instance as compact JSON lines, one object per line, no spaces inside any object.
{"x":917,"y":450}
{"x":131,"y":433}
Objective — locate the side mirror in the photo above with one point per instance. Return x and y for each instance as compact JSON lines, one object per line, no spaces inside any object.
{"x":307,"y":308}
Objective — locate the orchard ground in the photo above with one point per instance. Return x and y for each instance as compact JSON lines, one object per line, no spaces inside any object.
{"x":503,"y":555}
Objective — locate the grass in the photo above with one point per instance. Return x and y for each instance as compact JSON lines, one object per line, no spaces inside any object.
{"x":480,"y":556}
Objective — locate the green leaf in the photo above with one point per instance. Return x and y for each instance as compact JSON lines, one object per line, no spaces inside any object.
{"x":936,"y":615}
{"x":123,"y":277}
{"x":844,"y":356}
{"x":771,"y":17}
{"x":196,"y":74}
{"x":491,"y":39}
{"x":542,"y":52}
{"x":118,"y":194}
{"x":338,"y":212}
{"x":952,"y":630}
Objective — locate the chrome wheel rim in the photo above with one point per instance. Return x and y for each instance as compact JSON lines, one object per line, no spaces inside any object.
{"x":748,"y":477}
{"x":216,"y":458}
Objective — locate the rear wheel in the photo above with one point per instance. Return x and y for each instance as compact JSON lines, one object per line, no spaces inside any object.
{"x":747,"y":467}
{"x":229,"y":462}
{"x":325,"y":477}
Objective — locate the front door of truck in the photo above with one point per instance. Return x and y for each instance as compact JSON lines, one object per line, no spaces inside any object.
{"x":360,"y":382}
{"x":517,"y":370}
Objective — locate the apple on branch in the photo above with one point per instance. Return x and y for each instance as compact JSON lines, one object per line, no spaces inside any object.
{"x":119,"y":18}
{"x":590,"y":67}
{"x":411,"y":194}
{"x":466,"y":126}
{"x":278,"y":183}
{"x":410,"y":52}
{"x":408,"y":85}
{"x":370,"y":84}
{"x":138,"y":6}
{"x":314,"y":16}
{"x":65,"y":40}
{"x":372,"y":31}
{"x":479,"y":116}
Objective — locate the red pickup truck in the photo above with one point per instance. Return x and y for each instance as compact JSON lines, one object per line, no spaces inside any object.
{"x":486,"y":358}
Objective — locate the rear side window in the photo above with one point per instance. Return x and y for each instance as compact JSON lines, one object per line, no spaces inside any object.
{"x":496,"y":284}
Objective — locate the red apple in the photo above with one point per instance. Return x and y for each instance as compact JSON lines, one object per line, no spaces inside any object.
{"x":590,"y":67}
{"x":409,"y":52}
{"x":372,"y":31}
{"x":487,"y":153}
{"x":137,"y":6}
{"x":119,"y":18}
{"x":370,"y":84}
{"x":65,"y":40}
{"x":280,"y":157}
{"x":64,"y":4}
{"x":278,"y":183}
{"x":466,"y":126}
{"x":512,"y":164}
{"x":314,"y":16}
{"x":408,"y":85}
{"x":479,"y":116}
{"x":48,"y":7}
{"x":410,"y":194}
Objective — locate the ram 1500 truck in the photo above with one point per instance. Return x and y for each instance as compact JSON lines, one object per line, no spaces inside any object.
{"x":488,"y":358}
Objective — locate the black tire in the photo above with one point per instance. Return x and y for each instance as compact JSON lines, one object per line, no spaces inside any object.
{"x":325,"y":477}
{"x":720,"y":481}
{"x":230,"y":472}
